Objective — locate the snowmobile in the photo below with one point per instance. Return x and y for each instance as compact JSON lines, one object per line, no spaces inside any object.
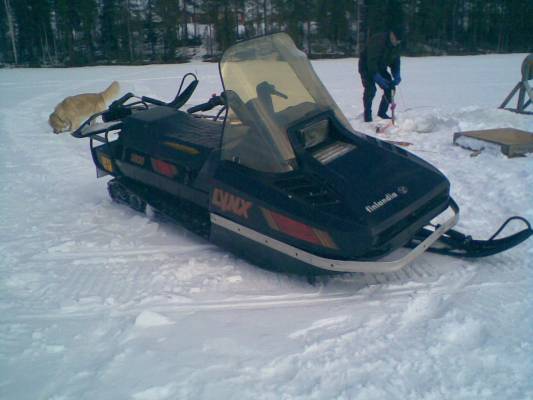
{"x":278,"y":175}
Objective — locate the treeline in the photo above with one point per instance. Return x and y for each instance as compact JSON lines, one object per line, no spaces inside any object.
{"x":86,"y":32}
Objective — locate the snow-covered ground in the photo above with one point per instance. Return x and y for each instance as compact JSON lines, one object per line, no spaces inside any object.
{"x":98,"y":302}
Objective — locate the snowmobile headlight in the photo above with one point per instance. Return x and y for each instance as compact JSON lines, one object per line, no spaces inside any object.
{"x":315,"y":134}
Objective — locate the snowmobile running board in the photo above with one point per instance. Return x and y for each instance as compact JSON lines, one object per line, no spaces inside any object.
{"x":342,"y":265}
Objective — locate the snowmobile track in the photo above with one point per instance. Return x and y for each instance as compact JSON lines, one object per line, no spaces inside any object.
{"x":99,"y":254}
{"x":365,"y":290}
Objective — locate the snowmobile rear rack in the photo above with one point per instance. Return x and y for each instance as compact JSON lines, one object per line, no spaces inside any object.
{"x":120,"y":109}
{"x":91,"y":129}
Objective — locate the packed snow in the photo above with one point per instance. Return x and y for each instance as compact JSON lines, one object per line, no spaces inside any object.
{"x":100,"y":302}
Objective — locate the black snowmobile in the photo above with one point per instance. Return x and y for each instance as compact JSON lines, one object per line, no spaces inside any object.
{"x":278,"y":175}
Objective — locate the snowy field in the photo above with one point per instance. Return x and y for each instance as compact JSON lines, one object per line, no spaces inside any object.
{"x":98,"y":302}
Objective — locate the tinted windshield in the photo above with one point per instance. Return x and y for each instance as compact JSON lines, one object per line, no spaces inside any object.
{"x":269,"y":85}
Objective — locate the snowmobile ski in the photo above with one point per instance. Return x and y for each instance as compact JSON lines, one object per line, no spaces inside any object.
{"x":455,"y":243}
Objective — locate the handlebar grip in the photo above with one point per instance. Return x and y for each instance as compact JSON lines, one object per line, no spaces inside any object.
{"x":213,"y":102}
{"x":121,"y":101}
{"x":147,"y":99}
{"x":199,"y":107}
{"x":114,"y":114}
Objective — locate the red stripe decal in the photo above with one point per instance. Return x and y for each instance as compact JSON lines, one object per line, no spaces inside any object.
{"x":295,"y":228}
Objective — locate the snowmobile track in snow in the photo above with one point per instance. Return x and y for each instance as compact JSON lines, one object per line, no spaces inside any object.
{"x":368,"y":291}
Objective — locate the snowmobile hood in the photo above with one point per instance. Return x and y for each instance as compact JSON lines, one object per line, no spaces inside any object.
{"x":383,"y":184}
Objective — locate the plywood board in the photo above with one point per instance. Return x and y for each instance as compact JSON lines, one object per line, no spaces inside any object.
{"x":512,"y":142}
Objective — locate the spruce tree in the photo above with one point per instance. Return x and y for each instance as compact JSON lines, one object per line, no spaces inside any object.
{"x":33,"y":30}
{"x":109,"y":29}
{"x":169,"y":11}
{"x":88,"y":14}
{"x":4,"y":36}
{"x":125,"y":30}
{"x":149,"y":29}
{"x":210,"y":8}
{"x":225,"y":26}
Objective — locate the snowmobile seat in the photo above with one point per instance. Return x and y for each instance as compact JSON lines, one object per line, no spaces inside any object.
{"x":172,"y":135}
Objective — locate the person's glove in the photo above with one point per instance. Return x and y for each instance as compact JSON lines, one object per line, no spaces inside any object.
{"x":383,"y":83}
{"x":397,"y":79}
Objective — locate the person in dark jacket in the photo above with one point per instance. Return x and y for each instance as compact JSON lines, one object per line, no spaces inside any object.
{"x":382,"y":52}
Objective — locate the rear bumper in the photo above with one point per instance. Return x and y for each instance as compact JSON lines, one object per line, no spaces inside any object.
{"x":440,"y":227}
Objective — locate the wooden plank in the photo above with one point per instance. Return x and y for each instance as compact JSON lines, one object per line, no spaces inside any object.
{"x":512,"y":142}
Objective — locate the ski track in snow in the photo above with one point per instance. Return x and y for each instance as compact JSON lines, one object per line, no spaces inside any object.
{"x":97,"y":301}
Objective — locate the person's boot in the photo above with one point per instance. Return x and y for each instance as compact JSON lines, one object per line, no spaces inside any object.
{"x":383,"y":107}
{"x":368,"y":110}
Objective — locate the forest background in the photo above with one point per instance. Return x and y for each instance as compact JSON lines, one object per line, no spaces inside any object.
{"x":98,"y":32}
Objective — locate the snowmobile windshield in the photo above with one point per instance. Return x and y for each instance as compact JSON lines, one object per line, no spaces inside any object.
{"x":269,"y":84}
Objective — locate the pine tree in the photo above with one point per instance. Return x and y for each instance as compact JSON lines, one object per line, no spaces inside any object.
{"x":109,"y":30}
{"x":88,"y":14}
{"x":333,"y":18}
{"x":225,"y":27}
{"x":518,"y":35}
{"x":125,"y":30}
{"x":294,"y":17}
{"x":76,"y":32}
{"x":184,"y":17}
{"x":210,"y":8}
{"x":6,"y":20}
{"x":169,"y":11}
{"x":150,"y":33}
{"x":33,"y":29}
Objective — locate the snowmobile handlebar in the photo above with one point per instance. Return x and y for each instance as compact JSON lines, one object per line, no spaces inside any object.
{"x":153,"y":101}
{"x":120,"y":102}
{"x":213,"y":102}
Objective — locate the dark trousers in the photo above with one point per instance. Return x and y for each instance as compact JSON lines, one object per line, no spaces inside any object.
{"x":370,"y":91}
